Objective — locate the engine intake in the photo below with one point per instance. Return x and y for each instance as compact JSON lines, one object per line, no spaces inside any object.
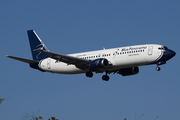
{"x":99,"y":63}
{"x":129,"y":71}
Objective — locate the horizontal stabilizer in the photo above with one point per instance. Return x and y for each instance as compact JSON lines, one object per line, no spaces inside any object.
{"x":22,"y":59}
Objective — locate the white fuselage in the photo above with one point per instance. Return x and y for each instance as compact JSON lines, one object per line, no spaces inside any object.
{"x":118,"y":58}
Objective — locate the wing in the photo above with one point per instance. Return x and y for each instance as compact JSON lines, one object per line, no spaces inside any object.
{"x":65,"y":58}
{"x":23,"y":60}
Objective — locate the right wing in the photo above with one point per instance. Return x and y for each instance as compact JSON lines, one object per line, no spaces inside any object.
{"x":65,"y":58}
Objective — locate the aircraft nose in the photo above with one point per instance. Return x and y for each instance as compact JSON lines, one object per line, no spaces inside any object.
{"x":173,"y":53}
{"x":169,"y":54}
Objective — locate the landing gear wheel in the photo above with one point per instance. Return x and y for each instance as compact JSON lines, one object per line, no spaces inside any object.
{"x":89,"y":74}
{"x":105,"y":78}
{"x":158,"y":68}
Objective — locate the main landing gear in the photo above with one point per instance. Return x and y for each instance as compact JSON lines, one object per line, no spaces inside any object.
{"x":89,"y":74}
{"x":104,"y":77}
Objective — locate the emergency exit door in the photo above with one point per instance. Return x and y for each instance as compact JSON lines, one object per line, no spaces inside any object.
{"x":49,"y":63}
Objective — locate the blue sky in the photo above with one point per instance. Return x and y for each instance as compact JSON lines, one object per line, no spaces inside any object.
{"x":77,"y":26}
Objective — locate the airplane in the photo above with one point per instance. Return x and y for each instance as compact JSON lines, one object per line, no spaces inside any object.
{"x":121,"y":60}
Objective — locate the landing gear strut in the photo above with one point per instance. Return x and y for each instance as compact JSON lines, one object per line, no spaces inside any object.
{"x":105,"y":77}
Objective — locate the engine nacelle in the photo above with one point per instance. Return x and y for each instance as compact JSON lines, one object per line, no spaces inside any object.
{"x":99,"y":63}
{"x":129,"y":71}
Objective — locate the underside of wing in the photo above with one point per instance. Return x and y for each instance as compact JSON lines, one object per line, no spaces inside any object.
{"x":65,"y":58}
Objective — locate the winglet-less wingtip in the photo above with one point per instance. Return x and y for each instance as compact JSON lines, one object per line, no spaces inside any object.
{"x":22,"y":59}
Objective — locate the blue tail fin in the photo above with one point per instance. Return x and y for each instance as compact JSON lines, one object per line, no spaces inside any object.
{"x":36,"y":43}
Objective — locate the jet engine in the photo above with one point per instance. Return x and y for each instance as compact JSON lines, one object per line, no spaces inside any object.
{"x":99,"y":63}
{"x":129,"y":71}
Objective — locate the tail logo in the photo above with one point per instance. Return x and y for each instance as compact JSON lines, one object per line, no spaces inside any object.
{"x":41,"y":47}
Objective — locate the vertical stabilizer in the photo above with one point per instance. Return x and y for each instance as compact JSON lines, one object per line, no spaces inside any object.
{"x":36,"y":43}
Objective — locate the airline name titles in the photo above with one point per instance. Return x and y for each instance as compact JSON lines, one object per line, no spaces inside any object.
{"x":133,"y":48}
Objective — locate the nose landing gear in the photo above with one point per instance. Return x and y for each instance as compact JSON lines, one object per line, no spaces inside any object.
{"x":158,"y":68}
{"x":160,"y":63}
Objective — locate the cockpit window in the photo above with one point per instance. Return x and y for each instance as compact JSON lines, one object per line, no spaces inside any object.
{"x":163,"y":48}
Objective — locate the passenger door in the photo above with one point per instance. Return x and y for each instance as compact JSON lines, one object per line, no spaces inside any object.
{"x":150,"y":50}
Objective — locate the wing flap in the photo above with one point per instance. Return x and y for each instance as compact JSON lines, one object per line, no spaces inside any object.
{"x":65,"y":58}
{"x":22,"y":59}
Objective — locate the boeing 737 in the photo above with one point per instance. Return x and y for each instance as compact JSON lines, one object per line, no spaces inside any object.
{"x":121,"y":60}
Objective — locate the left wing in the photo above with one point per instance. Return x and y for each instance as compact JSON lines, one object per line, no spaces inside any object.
{"x":65,"y":58}
{"x":23,"y":60}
